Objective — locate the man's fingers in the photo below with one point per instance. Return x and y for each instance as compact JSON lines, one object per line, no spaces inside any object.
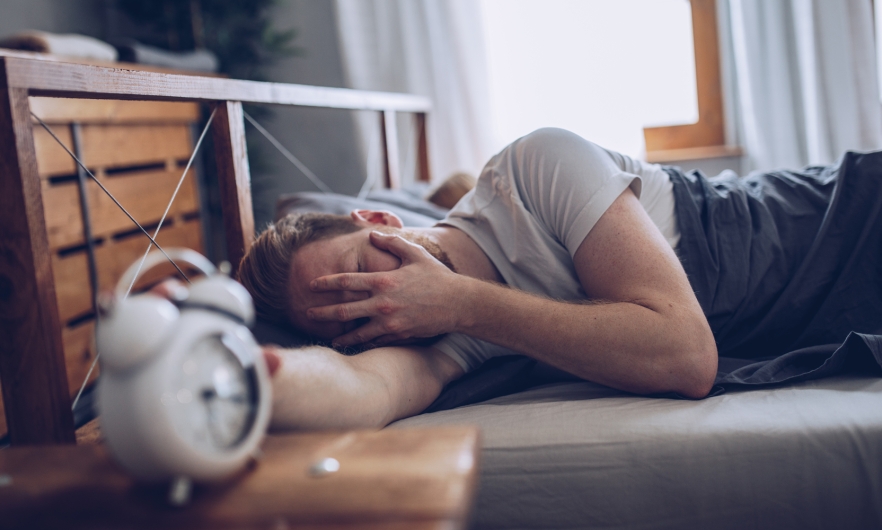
{"x":272,"y":358}
{"x":384,"y":340}
{"x":353,"y":281}
{"x":364,"y":334}
{"x":396,"y":244}
{"x":342,"y":312}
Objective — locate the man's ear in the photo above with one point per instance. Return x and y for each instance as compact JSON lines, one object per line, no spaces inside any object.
{"x":376,"y":217}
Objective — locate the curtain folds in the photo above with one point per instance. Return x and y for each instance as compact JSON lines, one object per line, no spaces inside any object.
{"x":804,"y":79}
{"x":433,"y":48}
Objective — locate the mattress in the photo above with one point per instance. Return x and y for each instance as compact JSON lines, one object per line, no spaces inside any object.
{"x":580,"y":455}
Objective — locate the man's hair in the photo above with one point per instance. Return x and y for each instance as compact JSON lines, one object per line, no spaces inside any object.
{"x":266,"y":268}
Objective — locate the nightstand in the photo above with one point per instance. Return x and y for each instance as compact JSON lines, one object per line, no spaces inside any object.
{"x":393,"y":478}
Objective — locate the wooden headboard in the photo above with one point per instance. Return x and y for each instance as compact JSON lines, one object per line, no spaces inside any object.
{"x":36,"y":395}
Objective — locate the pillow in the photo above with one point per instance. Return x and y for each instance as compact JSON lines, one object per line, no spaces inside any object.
{"x":412,"y":210}
{"x":408,"y":199}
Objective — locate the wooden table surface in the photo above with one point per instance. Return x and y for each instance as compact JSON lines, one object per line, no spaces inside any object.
{"x":394,"y":478}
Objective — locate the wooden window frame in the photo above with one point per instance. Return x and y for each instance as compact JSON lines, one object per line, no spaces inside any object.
{"x":705,"y":138}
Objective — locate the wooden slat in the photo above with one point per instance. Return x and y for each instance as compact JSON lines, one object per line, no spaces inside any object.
{"x":393,"y":478}
{"x":108,"y":111}
{"x":110,"y":146}
{"x":234,"y":179}
{"x":144,"y":194}
{"x":72,"y":276}
{"x":45,"y":78}
{"x":32,"y":370}
{"x":52,"y":159}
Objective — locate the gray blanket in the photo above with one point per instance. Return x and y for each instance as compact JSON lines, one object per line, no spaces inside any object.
{"x":787,"y":266}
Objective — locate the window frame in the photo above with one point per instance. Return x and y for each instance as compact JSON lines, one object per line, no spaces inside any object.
{"x":705,"y":138}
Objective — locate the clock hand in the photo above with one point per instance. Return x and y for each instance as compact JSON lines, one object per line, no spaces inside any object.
{"x":208,"y":396}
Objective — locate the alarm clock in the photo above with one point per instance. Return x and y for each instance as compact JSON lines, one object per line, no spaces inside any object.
{"x":183,"y":392}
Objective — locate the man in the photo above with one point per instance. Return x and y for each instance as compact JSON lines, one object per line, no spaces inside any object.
{"x":562,"y":253}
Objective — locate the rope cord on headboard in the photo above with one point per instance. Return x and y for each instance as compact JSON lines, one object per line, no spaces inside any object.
{"x":320,"y":184}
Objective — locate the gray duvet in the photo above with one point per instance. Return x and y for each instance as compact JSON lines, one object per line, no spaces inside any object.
{"x":579,"y":455}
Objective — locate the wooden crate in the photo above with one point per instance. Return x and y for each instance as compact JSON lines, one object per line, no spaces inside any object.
{"x":138,"y":149}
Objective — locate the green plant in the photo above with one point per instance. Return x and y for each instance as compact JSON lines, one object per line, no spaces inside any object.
{"x":239,"y":32}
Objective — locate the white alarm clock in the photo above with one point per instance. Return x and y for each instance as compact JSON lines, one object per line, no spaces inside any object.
{"x":183,"y":392}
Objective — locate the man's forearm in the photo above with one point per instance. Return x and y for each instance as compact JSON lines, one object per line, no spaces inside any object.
{"x":642,"y":346}
{"x":318,"y":388}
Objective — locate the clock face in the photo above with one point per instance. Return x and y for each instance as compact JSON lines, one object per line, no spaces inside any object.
{"x":213,"y":397}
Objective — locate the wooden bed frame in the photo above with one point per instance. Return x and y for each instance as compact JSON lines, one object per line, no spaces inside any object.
{"x":32,"y":366}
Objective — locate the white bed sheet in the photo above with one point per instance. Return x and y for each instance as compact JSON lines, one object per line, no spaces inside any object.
{"x":580,"y":455}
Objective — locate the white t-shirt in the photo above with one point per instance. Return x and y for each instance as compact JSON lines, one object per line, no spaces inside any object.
{"x":535,"y":203}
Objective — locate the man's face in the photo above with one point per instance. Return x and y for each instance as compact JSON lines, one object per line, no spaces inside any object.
{"x":347,"y":253}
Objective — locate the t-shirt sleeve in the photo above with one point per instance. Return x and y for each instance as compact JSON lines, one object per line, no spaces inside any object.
{"x":567,"y":182}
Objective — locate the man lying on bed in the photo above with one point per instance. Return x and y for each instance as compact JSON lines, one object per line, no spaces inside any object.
{"x":564,"y":252}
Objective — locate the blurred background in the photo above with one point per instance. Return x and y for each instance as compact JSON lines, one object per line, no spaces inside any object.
{"x":714,"y":85}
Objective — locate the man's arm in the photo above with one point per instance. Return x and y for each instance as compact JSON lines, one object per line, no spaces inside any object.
{"x":318,"y":388}
{"x":647,"y":333}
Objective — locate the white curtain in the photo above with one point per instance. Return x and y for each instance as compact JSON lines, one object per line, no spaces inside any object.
{"x":805,"y":79}
{"x":433,"y":48}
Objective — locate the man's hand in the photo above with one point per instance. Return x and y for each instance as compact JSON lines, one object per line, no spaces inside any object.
{"x":419,"y":299}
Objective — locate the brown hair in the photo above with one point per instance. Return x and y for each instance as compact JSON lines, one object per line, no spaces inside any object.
{"x":266,"y":268}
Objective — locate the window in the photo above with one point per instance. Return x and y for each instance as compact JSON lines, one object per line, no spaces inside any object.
{"x":618,"y":73}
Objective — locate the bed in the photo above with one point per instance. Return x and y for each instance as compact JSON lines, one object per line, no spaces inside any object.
{"x":580,"y":455}
{"x":562,"y":453}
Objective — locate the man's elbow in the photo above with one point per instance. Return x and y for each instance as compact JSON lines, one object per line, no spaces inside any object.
{"x":697,"y":366}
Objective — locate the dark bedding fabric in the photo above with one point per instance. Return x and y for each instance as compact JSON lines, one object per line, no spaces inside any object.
{"x":788,"y":268}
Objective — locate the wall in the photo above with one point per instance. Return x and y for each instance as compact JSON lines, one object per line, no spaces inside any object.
{"x":62,"y":16}
{"x":323,"y":139}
